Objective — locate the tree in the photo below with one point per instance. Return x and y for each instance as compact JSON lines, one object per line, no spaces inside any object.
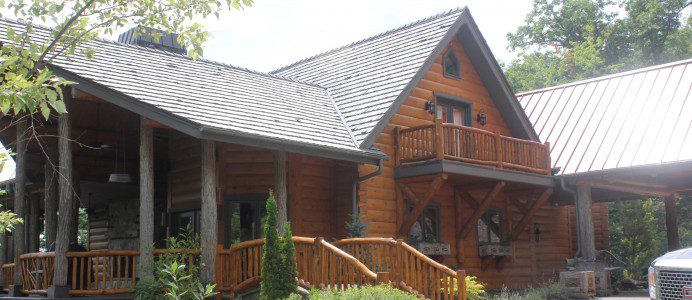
{"x":29,"y":85}
{"x":277,"y":282}
{"x":288,"y":262}
{"x":569,"y":40}
{"x":356,"y":228}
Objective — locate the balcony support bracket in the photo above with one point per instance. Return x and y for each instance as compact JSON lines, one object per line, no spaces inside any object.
{"x":419,"y":204}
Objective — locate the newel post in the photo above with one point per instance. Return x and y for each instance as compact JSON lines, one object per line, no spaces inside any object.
{"x":317,"y":261}
{"x":439,"y":139}
{"x":498,"y":149}
{"x":383,"y":277}
{"x":461,"y":285}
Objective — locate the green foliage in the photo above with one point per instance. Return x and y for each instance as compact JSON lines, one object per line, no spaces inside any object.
{"x":28,"y":86}
{"x":474,"y":289}
{"x":568,"y":40}
{"x":548,"y":291}
{"x":277,"y":282}
{"x":83,"y":227}
{"x":8,"y":220}
{"x":356,"y":228}
{"x":378,"y":292}
{"x":288,"y":260}
{"x":175,"y":278}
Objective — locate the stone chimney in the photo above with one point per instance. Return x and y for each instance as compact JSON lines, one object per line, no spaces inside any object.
{"x":167,"y":42}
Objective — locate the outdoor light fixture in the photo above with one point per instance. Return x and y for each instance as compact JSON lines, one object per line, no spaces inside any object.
{"x":430,"y":107}
{"x":537,"y":233}
{"x":480,"y":118}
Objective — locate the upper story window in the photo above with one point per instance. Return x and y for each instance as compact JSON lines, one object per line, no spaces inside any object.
{"x":451,"y":65}
{"x":427,"y":228}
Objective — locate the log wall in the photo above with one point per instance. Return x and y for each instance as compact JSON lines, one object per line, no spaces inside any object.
{"x":531,"y":262}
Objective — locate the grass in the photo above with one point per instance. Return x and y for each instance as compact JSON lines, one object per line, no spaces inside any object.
{"x":547,"y":291}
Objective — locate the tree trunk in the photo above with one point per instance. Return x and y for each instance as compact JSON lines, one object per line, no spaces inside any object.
{"x":146,"y":198}
{"x":585,"y":225}
{"x":50,"y":196}
{"x":19,"y":198}
{"x":280,"y":193}
{"x":208,"y":223}
{"x":672,"y":224}
{"x":65,"y":210}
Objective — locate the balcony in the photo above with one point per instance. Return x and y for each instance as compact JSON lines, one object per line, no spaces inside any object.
{"x":441,"y":141}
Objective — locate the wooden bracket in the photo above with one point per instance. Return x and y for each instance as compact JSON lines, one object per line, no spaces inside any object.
{"x":478,"y":212}
{"x":420,"y":204}
{"x":514,"y":234}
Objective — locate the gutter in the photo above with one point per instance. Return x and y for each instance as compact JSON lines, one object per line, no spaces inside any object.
{"x":576,"y":214}
{"x":361,"y":179}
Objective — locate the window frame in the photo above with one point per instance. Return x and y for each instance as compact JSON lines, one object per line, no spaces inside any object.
{"x":501,"y":227}
{"x":452,"y":55}
{"x":229,"y":200}
{"x":450,"y":101}
{"x":436,"y":208}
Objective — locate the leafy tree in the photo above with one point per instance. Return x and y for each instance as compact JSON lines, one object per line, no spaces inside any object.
{"x":277,"y":283}
{"x":28,"y":85}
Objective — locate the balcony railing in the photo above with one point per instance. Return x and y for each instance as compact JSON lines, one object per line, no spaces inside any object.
{"x":472,"y":145}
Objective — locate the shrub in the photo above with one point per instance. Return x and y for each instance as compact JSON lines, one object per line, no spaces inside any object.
{"x":474,"y":289}
{"x":174,"y":276}
{"x":378,"y":292}
{"x":547,"y":291}
{"x":277,"y":281}
{"x":356,"y":228}
{"x":288,"y":260}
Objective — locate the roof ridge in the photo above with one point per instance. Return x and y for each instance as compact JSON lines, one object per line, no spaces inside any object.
{"x":606,"y":77}
{"x":405,"y":26}
{"x":159,"y":51}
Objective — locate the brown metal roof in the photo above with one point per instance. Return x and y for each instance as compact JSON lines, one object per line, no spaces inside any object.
{"x":635,"y":118}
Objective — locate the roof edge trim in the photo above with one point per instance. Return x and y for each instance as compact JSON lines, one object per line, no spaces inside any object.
{"x":341,"y":117}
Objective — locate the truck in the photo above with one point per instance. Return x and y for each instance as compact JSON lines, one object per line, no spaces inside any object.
{"x":670,"y":276}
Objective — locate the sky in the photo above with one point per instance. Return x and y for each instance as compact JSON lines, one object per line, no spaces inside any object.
{"x":275,"y":33}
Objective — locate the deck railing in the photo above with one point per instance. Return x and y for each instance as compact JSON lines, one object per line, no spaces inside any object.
{"x":472,"y":145}
{"x":8,"y":276}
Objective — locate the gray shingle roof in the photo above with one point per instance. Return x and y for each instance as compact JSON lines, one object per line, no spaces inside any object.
{"x":636,"y":118}
{"x":366,"y":77}
{"x":213,"y":95}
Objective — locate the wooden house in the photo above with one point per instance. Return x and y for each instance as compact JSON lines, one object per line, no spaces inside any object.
{"x":415,"y":129}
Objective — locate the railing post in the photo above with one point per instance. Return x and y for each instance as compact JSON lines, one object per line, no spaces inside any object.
{"x":383,"y":277}
{"x":318,"y":262}
{"x":397,"y":144}
{"x":439,"y":139}
{"x":461,"y":285}
{"x":498,"y":149}
{"x":399,"y":262}
{"x":546,"y":153}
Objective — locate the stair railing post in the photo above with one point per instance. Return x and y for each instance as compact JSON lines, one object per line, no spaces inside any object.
{"x":383,"y":277}
{"x":319,"y":263}
{"x":461,"y":285}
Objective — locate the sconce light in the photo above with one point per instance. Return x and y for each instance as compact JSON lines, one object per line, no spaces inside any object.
{"x":480,"y":118}
{"x":537,"y":233}
{"x":430,"y":107}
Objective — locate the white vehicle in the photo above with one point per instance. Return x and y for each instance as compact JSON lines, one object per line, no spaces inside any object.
{"x":670,"y":276}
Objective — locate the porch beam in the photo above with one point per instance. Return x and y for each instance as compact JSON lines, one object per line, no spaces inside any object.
{"x":644,"y":190}
{"x":280,"y":191}
{"x":19,"y":201}
{"x":146,"y":197}
{"x":50,"y":187}
{"x":65,"y":207}
{"x":209,"y":211}
{"x":585,"y":228}
{"x":482,"y":207}
{"x":420,"y":206}
{"x":672,"y":223}
{"x":528,"y":216}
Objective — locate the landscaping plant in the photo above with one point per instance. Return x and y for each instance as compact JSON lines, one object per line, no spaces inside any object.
{"x":278,"y":259}
{"x":356,"y":228}
{"x":378,"y":292}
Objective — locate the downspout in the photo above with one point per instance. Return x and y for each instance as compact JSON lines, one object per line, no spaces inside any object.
{"x":576,"y":212}
{"x":361,"y":179}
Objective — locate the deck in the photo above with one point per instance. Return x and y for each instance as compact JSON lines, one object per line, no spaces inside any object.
{"x":440,"y":141}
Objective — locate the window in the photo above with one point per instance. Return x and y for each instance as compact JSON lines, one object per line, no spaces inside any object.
{"x":427,"y":227}
{"x":244,"y":218}
{"x":451,"y":65}
{"x":454,"y":113}
{"x":183,"y":219}
{"x":490,"y":228}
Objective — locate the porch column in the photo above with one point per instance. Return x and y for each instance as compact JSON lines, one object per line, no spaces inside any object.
{"x":146,"y":198}
{"x":585,"y":225}
{"x":19,"y":200}
{"x":50,"y":201}
{"x":672,"y":223}
{"x":34,"y":224}
{"x":208,"y":223}
{"x":3,"y":256}
{"x":280,"y":193}
{"x":65,"y":209}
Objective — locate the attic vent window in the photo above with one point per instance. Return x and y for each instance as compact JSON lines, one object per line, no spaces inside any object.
{"x":451,"y":65}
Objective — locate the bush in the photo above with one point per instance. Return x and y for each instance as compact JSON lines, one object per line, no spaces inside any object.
{"x":548,"y":291}
{"x":278,"y":259}
{"x":356,"y":228}
{"x":474,"y":289}
{"x":378,"y":292}
{"x":174,"y":277}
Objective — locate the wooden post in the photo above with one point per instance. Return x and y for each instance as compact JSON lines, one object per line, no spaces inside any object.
{"x":146,"y":198}
{"x":383,"y":277}
{"x":209,"y":215}
{"x":548,"y":166}
{"x":498,"y":149}
{"x":50,"y":200}
{"x":65,"y":209}
{"x":34,"y":224}
{"x":19,"y":201}
{"x":585,"y":225}
{"x":3,"y":258}
{"x":439,"y":139}
{"x":461,"y":285}
{"x":397,"y":144}
{"x":672,"y":223}
{"x":280,"y":193}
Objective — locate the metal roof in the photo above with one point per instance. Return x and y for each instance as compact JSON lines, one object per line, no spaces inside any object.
{"x":635,"y":118}
{"x":209,"y":95}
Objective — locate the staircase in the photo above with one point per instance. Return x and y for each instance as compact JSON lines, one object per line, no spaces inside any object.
{"x":345,"y":263}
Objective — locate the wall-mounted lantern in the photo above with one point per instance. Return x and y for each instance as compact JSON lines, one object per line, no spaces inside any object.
{"x":480,"y":118}
{"x":537,"y":233}
{"x":430,"y":107}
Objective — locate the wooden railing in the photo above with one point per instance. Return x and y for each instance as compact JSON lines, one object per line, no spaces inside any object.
{"x":37,"y":272}
{"x":102,"y":272}
{"x":407,"y":267}
{"x":472,"y":145}
{"x":8,"y":276}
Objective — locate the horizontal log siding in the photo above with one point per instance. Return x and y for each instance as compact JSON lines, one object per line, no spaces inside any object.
{"x":601,"y":226}
{"x":185,"y":170}
{"x":378,"y":204}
